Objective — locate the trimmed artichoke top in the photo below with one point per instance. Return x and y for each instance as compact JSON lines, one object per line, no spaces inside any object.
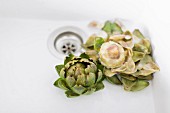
{"x":79,"y":75}
{"x":126,"y":56}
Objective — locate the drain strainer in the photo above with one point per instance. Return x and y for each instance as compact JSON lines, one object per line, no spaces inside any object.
{"x":66,"y":40}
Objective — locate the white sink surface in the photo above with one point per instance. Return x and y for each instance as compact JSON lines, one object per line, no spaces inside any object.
{"x":27,"y":68}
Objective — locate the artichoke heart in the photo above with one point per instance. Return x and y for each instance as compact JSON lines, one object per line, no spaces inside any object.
{"x":111,"y":54}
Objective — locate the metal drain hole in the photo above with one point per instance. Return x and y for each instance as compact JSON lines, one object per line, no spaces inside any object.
{"x":68,"y":48}
{"x":68,"y":42}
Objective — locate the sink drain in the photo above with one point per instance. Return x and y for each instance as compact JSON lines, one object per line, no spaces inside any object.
{"x":66,"y":40}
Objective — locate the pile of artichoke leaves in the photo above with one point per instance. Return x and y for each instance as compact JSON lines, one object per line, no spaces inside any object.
{"x":122,"y":58}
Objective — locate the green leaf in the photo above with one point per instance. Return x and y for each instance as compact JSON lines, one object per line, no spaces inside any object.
{"x":62,"y":73}
{"x":137,"y":33}
{"x":112,"y":28}
{"x":79,"y":89}
{"x":91,"y":78}
{"x":90,"y":41}
{"x":70,"y":81}
{"x":99,"y":66}
{"x":129,"y":77}
{"x":97,"y":43}
{"x":99,"y":76}
{"x":141,"y":84}
{"x":99,"y":86}
{"x":128,"y":84}
{"x":71,"y":94}
{"x":149,"y":77}
{"x":58,"y":68}
{"x":61,"y":84}
{"x":114,"y":80}
{"x":90,"y":91}
{"x":84,"y":55}
{"x":140,"y":48}
{"x":81,"y":80}
{"x":137,"y":56}
{"x":68,"y":58}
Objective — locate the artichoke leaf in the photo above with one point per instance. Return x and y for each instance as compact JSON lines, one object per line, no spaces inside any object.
{"x":60,"y":83}
{"x":140,"y":84}
{"x":128,"y":84}
{"x":91,"y":78}
{"x":62,"y":73}
{"x":99,"y":86}
{"x":81,"y":80}
{"x":70,"y":81}
{"x":138,"y":34}
{"x":84,"y":55}
{"x":126,"y":76}
{"x":112,"y":28}
{"x":71,"y":94}
{"x":137,"y":56}
{"x":58,"y":68}
{"x":108,"y":72}
{"x":68,"y":58}
{"x":97,"y":43}
{"x":149,"y":77}
{"x":92,"y":54}
{"x":79,"y":89}
{"x":99,"y":76}
{"x":90,"y":91}
{"x":90,"y":41}
{"x":114,"y":80}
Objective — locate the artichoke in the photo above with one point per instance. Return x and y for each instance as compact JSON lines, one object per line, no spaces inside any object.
{"x":126,"y":56}
{"x":79,"y":76}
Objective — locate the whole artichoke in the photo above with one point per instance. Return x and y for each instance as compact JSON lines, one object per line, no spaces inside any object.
{"x":79,"y":75}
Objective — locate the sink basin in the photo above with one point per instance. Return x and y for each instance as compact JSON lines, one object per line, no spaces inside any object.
{"x":27,"y":66}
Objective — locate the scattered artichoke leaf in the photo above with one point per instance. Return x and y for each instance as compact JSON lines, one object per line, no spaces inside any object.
{"x":97,"y":43}
{"x":137,"y":33}
{"x":90,"y":41}
{"x":126,"y":76}
{"x":140,"y":48}
{"x":146,"y":43}
{"x":58,"y":68}
{"x":149,"y":77}
{"x":60,"y":83}
{"x":146,"y":66}
{"x":71,"y":94}
{"x":128,"y":84}
{"x":130,"y":65}
{"x":112,"y":28}
{"x":114,"y":80}
{"x":137,"y":56}
{"x":68,"y":58}
{"x":140,"y":84}
{"x":108,"y":72}
{"x":92,"y":54}
{"x":126,"y":44}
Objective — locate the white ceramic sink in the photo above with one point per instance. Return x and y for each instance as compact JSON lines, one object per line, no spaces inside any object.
{"x":27,"y":66}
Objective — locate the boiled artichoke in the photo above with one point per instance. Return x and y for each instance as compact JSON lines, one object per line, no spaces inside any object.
{"x":79,"y":76}
{"x":126,"y":56}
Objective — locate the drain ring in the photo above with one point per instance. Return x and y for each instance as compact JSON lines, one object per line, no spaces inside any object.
{"x":66,"y":40}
